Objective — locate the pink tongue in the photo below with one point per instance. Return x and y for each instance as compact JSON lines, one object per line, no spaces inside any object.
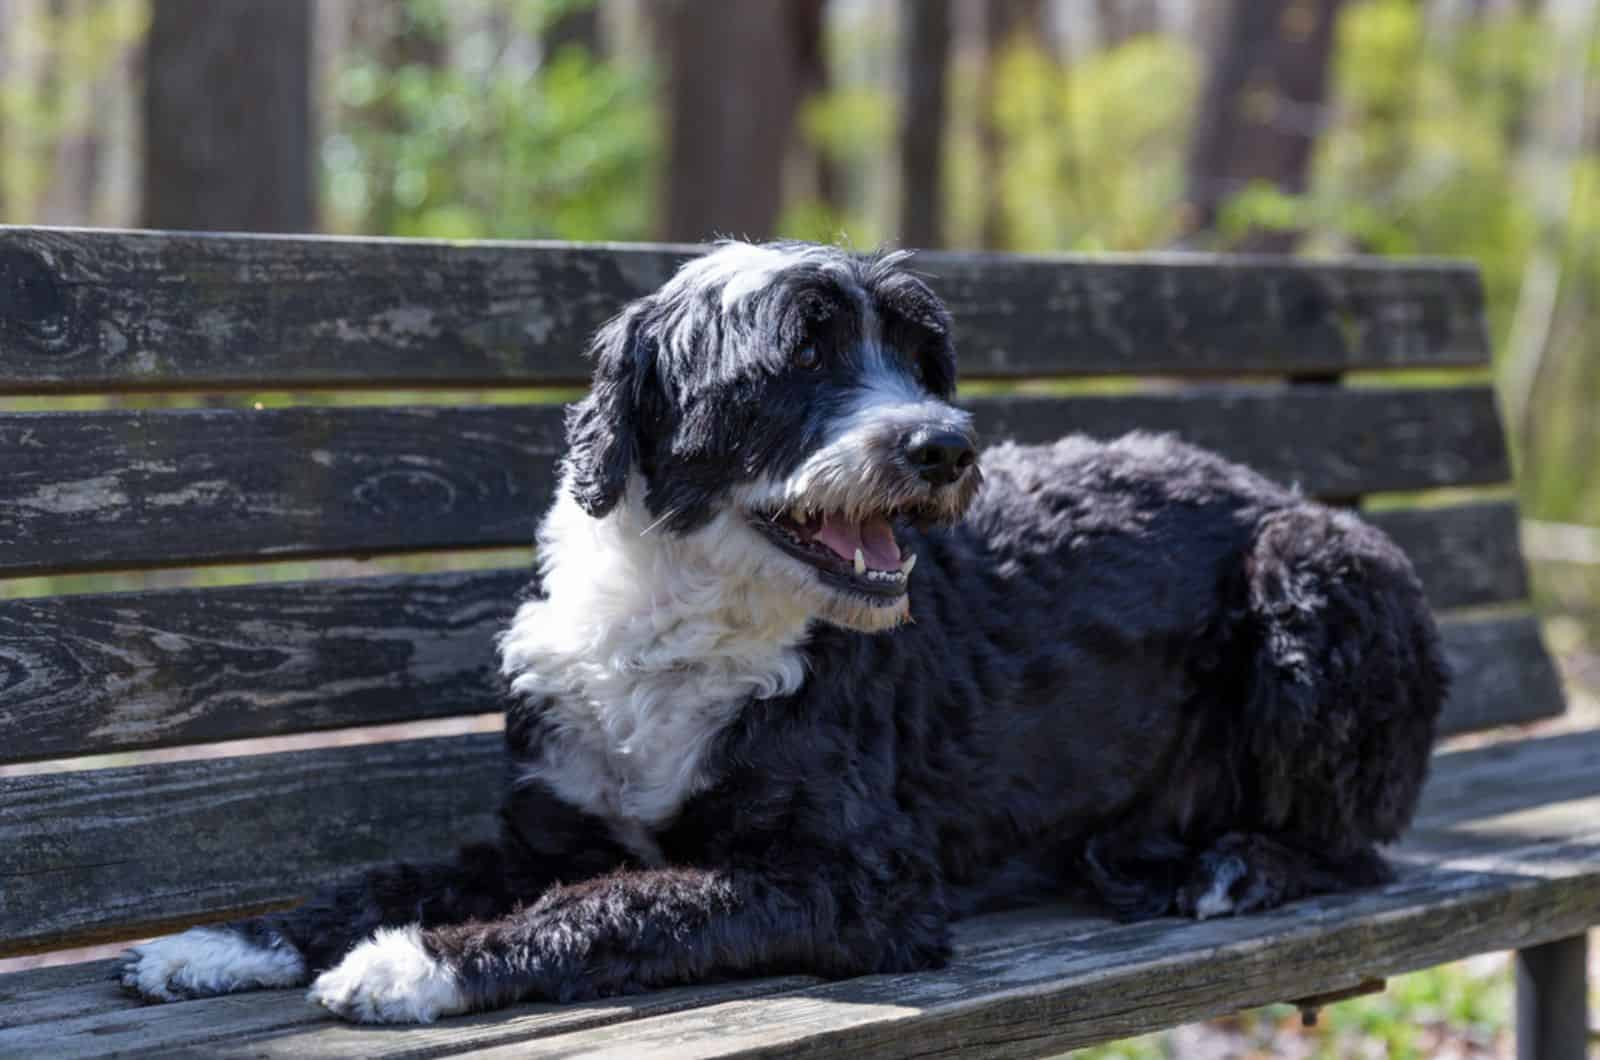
{"x":874,"y":538}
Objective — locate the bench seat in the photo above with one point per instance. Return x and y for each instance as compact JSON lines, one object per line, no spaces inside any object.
{"x":1505,"y":854}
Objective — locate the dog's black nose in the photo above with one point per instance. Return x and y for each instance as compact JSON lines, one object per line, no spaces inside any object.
{"x":940,"y":457}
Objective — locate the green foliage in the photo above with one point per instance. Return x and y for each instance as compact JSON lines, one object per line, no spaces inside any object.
{"x":1418,"y":1016}
{"x":1559,"y":477}
{"x":1421,"y":152}
{"x":489,"y":145}
{"x":1431,"y":153}
{"x":847,"y":129}
{"x":1093,"y":151}
{"x":55,"y":58}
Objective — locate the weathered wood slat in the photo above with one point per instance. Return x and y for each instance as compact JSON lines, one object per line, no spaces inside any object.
{"x":43,"y":995}
{"x":97,"y":490}
{"x":1027,"y":983}
{"x":1503,"y":675}
{"x":148,"y":846}
{"x":1052,"y":996}
{"x":279,"y":1023}
{"x":98,"y":674}
{"x":112,"y":310}
{"x":125,"y":489}
{"x":1176,"y":314}
{"x":1327,"y":440}
{"x":267,"y":827}
{"x":1492,"y":781}
{"x":109,"y":310}
{"x":54,"y":995}
{"x":1466,"y":555}
{"x":79,"y":1016}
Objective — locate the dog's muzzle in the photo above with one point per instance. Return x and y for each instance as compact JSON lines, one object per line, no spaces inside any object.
{"x":842,"y":519}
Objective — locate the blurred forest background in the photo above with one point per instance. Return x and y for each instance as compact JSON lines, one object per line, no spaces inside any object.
{"x":1465,"y":128}
{"x":1461,"y":128}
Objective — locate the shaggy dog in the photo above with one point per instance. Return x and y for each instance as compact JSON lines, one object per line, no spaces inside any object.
{"x":791,"y":692}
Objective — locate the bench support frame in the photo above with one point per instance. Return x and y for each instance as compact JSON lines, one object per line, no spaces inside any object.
{"x":1553,"y":1000}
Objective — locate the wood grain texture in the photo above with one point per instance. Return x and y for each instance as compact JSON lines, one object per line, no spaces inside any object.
{"x":1055,"y":994}
{"x":265,"y":828}
{"x":1465,"y":554}
{"x":149,"y":846}
{"x":1327,"y":440}
{"x":1502,"y":674}
{"x":1026,"y":983}
{"x":100,"y":674}
{"x":94,"y":490}
{"x":1206,"y":314}
{"x":86,"y":1019}
{"x":86,"y":491}
{"x":1491,"y":781}
{"x":109,"y":310}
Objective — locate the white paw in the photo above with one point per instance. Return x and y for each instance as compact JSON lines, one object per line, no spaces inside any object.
{"x":1218,"y":899}
{"x":202,"y":962}
{"x":389,"y":979}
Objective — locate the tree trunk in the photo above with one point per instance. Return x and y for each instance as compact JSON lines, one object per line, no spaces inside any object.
{"x":579,"y":28}
{"x":228,"y":140}
{"x":922,"y":118}
{"x":75,"y":175}
{"x":1006,"y":24}
{"x":1263,"y":107}
{"x":5,"y":158}
{"x":402,"y":41}
{"x":1118,"y":21}
{"x":734,"y":84}
{"x":809,"y":29}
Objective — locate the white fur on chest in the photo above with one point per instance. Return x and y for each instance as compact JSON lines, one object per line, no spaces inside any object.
{"x":643,"y":649}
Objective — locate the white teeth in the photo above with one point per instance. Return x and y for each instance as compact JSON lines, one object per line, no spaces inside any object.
{"x":911,"y":561}
{"x":861,"y":562}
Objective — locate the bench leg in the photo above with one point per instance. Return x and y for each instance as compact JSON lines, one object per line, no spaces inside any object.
{"x":1553,"y":1000}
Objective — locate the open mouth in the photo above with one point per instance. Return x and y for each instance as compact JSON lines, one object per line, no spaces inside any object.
{"x":861,"y":555}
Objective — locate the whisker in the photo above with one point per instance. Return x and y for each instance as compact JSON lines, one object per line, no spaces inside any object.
{"x":668,"y":514}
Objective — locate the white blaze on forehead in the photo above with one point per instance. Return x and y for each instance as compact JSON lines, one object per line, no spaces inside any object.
{"x":744,"y":270}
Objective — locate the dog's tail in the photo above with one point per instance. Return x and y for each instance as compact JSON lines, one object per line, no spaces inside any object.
{"x":1347,"y":680}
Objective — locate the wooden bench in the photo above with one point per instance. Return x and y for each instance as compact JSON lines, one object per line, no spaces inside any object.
{"x":1250,"y":356}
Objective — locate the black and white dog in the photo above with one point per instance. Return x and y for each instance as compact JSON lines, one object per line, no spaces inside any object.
{"x":791,"y":692}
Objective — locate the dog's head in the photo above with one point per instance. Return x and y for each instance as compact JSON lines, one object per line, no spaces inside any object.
{"x":786,"y":406}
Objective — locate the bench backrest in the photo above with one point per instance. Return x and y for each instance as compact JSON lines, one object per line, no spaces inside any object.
{"x":1250,"y":356}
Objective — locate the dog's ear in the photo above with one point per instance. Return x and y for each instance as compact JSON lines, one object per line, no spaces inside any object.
{"x":603,"y":428}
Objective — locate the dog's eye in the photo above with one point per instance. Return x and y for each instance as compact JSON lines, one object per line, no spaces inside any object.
{"x":806,"y":356}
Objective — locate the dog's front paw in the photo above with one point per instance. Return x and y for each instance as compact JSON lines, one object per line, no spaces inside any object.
{"x":204,"y":962}
{"x":390,"y":978}
{"x":1237,"y":876}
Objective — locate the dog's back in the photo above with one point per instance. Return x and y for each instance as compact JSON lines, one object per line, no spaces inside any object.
{"x":1137,"y":664}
